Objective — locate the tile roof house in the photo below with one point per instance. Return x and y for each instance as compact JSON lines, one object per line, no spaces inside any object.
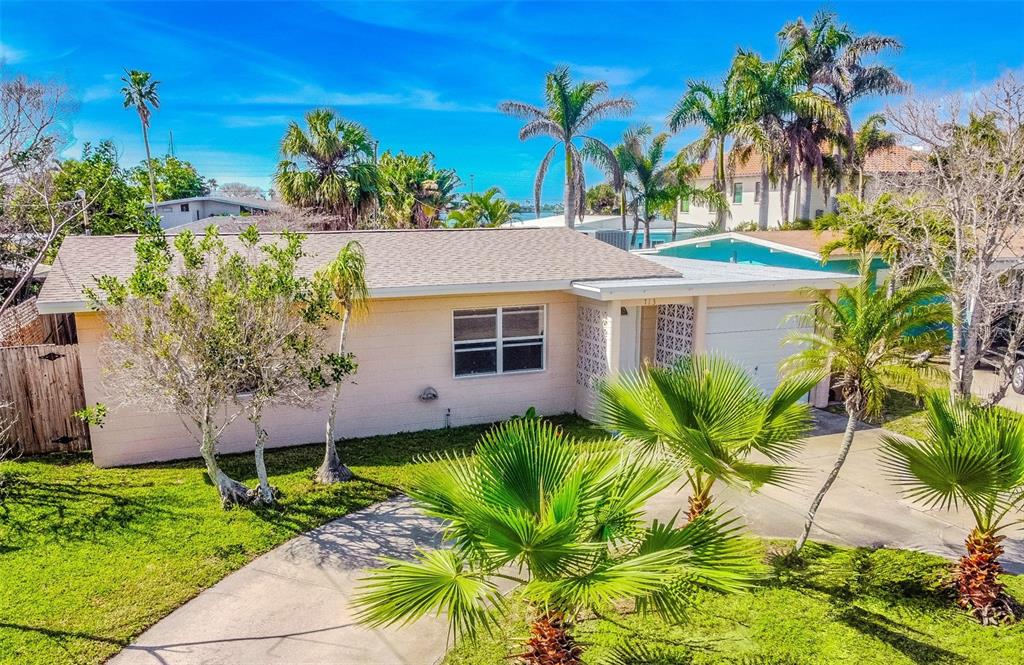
{"x":493,"y":320}
{"x":744,"y":192}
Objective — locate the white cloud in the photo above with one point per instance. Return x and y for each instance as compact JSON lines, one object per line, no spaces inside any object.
{"x":613,"y":76}
{"x":249,"y":121}
{"x":311,"y":95}
{"x":10,"y":55}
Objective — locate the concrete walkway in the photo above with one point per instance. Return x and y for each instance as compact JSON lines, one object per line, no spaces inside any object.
{"x":292,"y":604}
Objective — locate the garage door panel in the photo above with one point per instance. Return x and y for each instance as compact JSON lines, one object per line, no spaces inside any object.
{"x":753,"y":337}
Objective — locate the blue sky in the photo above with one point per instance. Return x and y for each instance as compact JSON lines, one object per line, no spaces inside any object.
{"x":428,"y":76}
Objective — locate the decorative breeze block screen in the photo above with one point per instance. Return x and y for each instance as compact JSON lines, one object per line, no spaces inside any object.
{"x":593,"y":328}
{"x":675,"y":334}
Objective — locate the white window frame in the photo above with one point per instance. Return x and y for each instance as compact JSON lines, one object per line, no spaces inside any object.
{"x":500,"y":342}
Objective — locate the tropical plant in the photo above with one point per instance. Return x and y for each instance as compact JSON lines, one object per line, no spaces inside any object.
{"x":707,"y":413}
{"x":970,"y":456}
{"x":869,"y":339}
{"x":570,"y":111}
{"x":648,"y":180}
{"x":718,"y":111}
{"x":602,"y":199}
{"x":327,"y":169}
{"x":345,"y":278}
{"x":487,"y":208}
{"x":563,"y":524}
{"x":175,"y":178}
{"x":412,"y":190}
{"x":140,"y":93}
{"x":869,"y":138}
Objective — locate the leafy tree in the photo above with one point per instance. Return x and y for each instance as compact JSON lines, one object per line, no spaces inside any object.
{"x":869,"y":339}
{"x":140,"y":93}
{"x":602,"y":199}
{"x":563,"y":524}
{"x":183,"y":338}
{"x":709,"y":414}
{"x":345,"y":280}
{"x":175,"y":178}
{"x":327,"y":168}
{"x":718,"y":111}
{"x":570,"y":111}
{"x":281,"y":335}
{"x":412,"y":191}
{"x":868,"y":139}
{"x":485,"y":208}
{"x":974,"y":457}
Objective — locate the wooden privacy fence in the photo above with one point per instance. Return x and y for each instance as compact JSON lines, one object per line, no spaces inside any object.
{"x":42,"y":388}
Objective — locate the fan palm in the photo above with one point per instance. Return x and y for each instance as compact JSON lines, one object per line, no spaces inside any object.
{"x":563,"y":523}
{"x":412,"y":190}
{"x":970,"y":456}
{"x":719,"y":113}
{"x":345,"y":277}
{"x":338,"y":178}
{"x":708,"y":413}
{"x":868,"y":339}
{"x":485,"y":208}
{"x":140,"y":93}
{"x":570,"y":111}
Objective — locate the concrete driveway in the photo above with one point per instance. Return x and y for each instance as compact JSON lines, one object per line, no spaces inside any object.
{"x":292,"y":604}
{"x":986,"y":380}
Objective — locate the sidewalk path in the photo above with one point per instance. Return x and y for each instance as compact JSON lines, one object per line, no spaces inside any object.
{"x":291,"y":605}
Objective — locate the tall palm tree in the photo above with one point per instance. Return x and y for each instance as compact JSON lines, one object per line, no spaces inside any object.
{"x":718,"y":112}
{"x":563,"y":523}
{"x":974,"y":457}
{"x":648,"y":179}
{"x":708,"y":413}
{"x":680,"y":175}
{"x":570,"y":111}
{"x":327,"y":168}
{"x":830,"y":57}
{"x":140,"y":93}
{"x":868,"y":339}
{"x":345,"y":277}
{"x":869,"y":138}
{"x":485,"y":208}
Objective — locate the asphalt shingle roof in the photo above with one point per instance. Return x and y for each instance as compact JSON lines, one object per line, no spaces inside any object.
{"x":395,"y":260}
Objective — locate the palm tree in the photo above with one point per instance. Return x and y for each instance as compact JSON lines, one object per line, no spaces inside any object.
{"x":570,"y":111}
{"x":718,"y":112}
{"x":971,"y":456}
{"x":413,"y":191}
{"x":563,"y":523}
{"x":140,"y":93}
{"x":486,"y":208}
{"x":647,"y":179}
{"x":868,"y":339}
{"x":681,"y":173}
{"x":345,"y":276}
{"x":869,"y":138}
{"x":339,"y":178}
{"x":709,"y":414}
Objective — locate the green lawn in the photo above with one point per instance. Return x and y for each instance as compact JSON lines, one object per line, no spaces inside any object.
{"x":90,"y":557}
{"x":855,"y":606}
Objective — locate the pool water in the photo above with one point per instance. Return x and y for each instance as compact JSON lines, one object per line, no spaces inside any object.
{"x":740,"y":252}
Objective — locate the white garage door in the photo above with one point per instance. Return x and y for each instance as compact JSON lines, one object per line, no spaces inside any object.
{"x":752,"y":336}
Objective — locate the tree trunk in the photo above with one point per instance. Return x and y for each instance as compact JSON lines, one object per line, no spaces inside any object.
{"x":784,"y":198}
{"x":622,"y":207}
{"x":808,"y":182}
{"x":978,"y":587}
{"x":854,"y":414}
{"x":675,"y":220}
{"x":636,"y":229}
{"x":149,"y":166}
{"x":331,"y":469}
{"x":550,"y":642}
{"x":797,"y":197}
{"x":232,"y":492}
{"x":762,"y":207}
{"x":860,"y":184}
{"x":720,"y":176}
{"x":837,"y":155}
{"x":266,"y":492}
{"x":570,"y":212}
{"x":647,"y":232}
{"x":697,"y":504}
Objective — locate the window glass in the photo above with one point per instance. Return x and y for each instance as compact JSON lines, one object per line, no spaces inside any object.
{"x":479,"y":359}
{"x":184,"y":207}
{"x":519,"y":357}
{"x":522,"y":321}
{"x":473,"y":324}
{"x":737,"y":192}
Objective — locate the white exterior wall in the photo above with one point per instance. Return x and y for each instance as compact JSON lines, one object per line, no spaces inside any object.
{"x":172,"y":215}
{"x":747,"y":210}
{"x":402,"y":346}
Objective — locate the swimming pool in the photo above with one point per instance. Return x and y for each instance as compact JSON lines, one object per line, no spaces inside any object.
{"x":728,"y":251}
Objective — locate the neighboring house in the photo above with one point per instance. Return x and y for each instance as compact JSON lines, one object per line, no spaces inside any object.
{"x":493,"y":320}
{"x":785,"y":249}
{"x":743,"y":188}
{"x":661,"y":229}
{"x":182,"y":211}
